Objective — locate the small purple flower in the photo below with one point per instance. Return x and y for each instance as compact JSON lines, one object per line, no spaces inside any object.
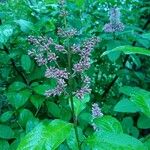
{"x":59,"y":48}
{"x":58,"y":90}
{"x":115,"y":25}
{"x":76,"y":48}
{"x":53,"y":72}
{"x":52,"y":57}
{"x":84,"y":90}
{"x":96,"y":111}
{"x":40,"y":60}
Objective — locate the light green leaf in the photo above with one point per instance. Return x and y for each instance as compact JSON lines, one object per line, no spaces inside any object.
{"x":16,"y":86}
{"x":26,"y":62}
{"x":18,"y":99}
{"x":139,"y":97}
{"x":53,"y":109}
{"x":125,"y":105}
{"x":25,"y":26}
{"x":114,"y":141}
{"x":6,"y":116}
{"x":143,"y":122}
{"x":128,"y":50}
{"x":6,"y":132}
{"x":46,"y":136}
{"x":4,"y":145}
{"x":108,"y":123}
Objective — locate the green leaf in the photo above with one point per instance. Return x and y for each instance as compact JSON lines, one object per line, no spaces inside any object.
{"x":143,"y":122}
{"x":26,"y":62}
{"x":125,"y":105}
{"x":53,"y":109}
{"x":37,"y":100}
{"x":4,"y":145}
{"x":6,"y":132}
{"x":114,"y":141}
{"x":128,"y":50}
{"x":108,"y":123}
{"x":46,"y":136}
{"x":80,"y":105}
{"x":6,"y":116}
{"x":18,"y":99}
{"x":139,"y":97}
{"x":5,"y":33}
{"x":25,"y":26}
{"x":24,"y":116}
{"x":16,"y":86}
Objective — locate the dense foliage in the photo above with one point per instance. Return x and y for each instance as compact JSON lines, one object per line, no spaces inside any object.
{"x":74,"y":75}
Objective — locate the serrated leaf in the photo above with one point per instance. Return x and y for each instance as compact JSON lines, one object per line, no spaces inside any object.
{"x":143,"y":122}
{"x":139,"y":97}
{"x":16,"y":86}
{"x":6,"y":116}
{"x":53,"y":109}
{"x":108,"y":123}
{"x":114,"y":141}
{"x":46,"y":136}
{"x":26,"y":62}
{"x":18,"y":99}
{"x":4,"y":145}
{"x":128,"y":50}
{"x":125,"y":105}
{"x":6,"y":132}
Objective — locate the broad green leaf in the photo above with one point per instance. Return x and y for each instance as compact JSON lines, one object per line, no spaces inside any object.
{"x":79,"y":104}
{"x":143,"y":122}
{"x":4,"y":145}
{"x":16,"y":86}
{"x":6,"y":116}
{"x":25,"y":26}
{"x":18,"y":99}
{"x":114,"y":141}
{"x":108,"y":123}
{"x":53,"y":109}
{"x":26,"y":62}
{"x":5,"y":33}
{"x":37,"y":100}
{"x":24,"y":116}
{"x":125,"y":105}
{"x":139,"y":97}
{"x":46,"y":136}
{"x":129,"y":50}
{"x":6,"y":132}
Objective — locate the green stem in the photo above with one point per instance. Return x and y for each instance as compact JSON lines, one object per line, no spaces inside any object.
{"x":71,"y":96}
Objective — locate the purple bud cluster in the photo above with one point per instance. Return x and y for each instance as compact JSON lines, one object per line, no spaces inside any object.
{"x":68,"y":33}
{"x":96,"y":111}
{"x":115,"y":25}
{"x":53,"y":72}
{"x":58,"y":90}
{"x":63,"y":12}
{"x":85,"y":89}
{"x":84,"y":62}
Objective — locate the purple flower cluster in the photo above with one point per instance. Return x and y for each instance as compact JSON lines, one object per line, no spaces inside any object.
{"x":53,"y":72}
{"x":115,"y":25}
{"x":96,"y":111}
{"x":62,"y":12}
{"x":85,"y":89}
{"x":66,"y":33}
{"x":84,"y":62}
{"x":58,"y":90}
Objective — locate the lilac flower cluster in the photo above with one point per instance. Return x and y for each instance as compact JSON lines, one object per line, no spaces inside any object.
{"x":84,"y":62}
{"x":53,"y":72}
{"x":96,"y":112}
{"x":115,"y":24}
{"x":66,"y":33}
{"x":63,"y":11}
{"x":58,"y":90}
{"x":43,"y":56}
